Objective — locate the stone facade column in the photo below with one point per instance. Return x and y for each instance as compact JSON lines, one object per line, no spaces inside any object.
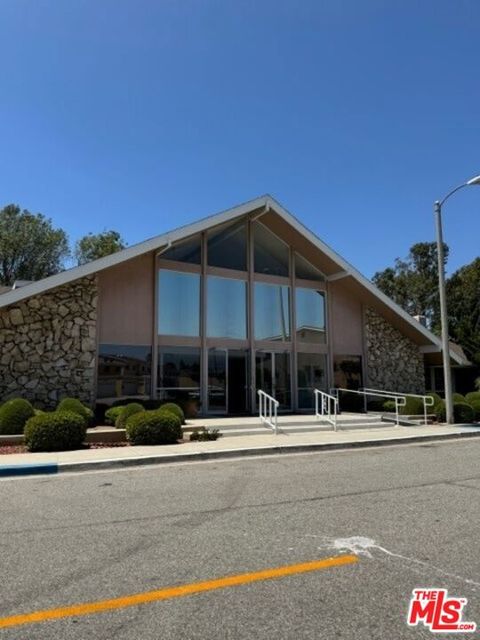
{"x":48,"y":345}
{"x":394,"y":363}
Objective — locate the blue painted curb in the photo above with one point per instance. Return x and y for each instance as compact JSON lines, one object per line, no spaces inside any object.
{"x":28,"y":469}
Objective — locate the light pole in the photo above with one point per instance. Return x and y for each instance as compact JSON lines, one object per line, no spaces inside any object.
{"x":447,"y":372}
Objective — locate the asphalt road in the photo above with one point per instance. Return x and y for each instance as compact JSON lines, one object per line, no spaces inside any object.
{"x":89,"y":537}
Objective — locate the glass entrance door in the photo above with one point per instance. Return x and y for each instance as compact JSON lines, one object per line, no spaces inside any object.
{"x":273,"y":376}
{"x":228,"y":386}
{"x":311,"y":374}
{"x":217,"y":380}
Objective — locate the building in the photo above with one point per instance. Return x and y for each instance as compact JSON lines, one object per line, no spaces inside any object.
{"x":209,"y":313}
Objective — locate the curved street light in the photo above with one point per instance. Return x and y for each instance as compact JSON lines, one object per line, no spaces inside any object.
{"x":447,"y":372}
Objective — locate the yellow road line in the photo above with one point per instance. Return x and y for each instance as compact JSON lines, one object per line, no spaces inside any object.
{"x":174,"y":592}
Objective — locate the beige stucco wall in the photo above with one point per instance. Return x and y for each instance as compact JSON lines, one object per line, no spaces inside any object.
{"x":346,"y":331}
{"x":126,"y":302}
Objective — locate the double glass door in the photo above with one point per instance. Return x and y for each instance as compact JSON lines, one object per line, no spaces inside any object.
{"x":272,"y":373}
{"x":228,"y":386}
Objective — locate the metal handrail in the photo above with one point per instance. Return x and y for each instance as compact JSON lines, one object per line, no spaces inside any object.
{"x":267,"y":410}
{"x":400,"y":400}
{"x":428,"y":401}
{"x":324,"y":402}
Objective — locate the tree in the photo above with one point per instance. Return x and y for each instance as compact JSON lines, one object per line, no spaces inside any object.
{"x":463,"y":300}
{"x":94,"y":246}
{"x":413,"y":283}
{"x":30,"y":247}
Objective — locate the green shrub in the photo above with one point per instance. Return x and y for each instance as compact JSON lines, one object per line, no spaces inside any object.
{"x":153,"y":427}
{"x":413,"y":407}
{"x":13,"y":416}
{"x":473,"y":395}
{"x":389,"y":405}
{"x":56,"y":431}
{"x":462,"y":412}
{"x":74,"y":405}
{"x":112,"y":414}
{"x":475,"y":404}
{"x":127,"y":411}
{"x":477,"y":384}
{"x":435,"y":396}
{"x":440,"y":411}
{"x":457,"y":397}
{"x":205,"y":434}
{"x":175,"y":409}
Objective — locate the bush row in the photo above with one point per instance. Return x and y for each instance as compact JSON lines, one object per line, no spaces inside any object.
{"x":465,"y":408}
{"x":66,"y":427}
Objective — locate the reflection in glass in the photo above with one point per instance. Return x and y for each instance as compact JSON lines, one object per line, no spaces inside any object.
{"x":178,"y":303}
{"x":217,"y":380}
{"x":227,"y":247}
{"x":272,"y":312}
{"x":311,"y":374}
{"x":347,"y":371}
{"x":310,"y":308}
{"x":306,"y":270}
{"x":271,"y":255}
{"x":226,"y":308}
{"x":124,"y":370}
{"x":179,"y":375}
{"x":272,"y":375}
{"x":189,"y":250}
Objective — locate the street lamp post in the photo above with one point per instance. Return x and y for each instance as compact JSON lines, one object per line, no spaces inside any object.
{"x":447,"y":372}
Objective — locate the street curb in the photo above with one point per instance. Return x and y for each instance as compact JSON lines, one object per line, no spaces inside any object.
{"x":199,"y":456}
{"x":40,"y":468}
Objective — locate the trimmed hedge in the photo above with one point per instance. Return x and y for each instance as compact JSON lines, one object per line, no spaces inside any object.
{"x":112,"y":414}
{"x":14,"y":415}
{"x":175,"y":409}
{"x":413,"y":407}
{"x":56,"y":431}
{"x":154,"y":427}
{"x":389,"y":405}
{"x":127,"y":411}
{"x":462,"y":412}
{"x":457,"y":397}
{"x":74,"y":405}
{"x":472,"y":396}
{"x":475,"y":404}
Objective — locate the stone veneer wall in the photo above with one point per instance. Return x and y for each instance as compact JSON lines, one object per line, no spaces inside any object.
{"x":48,"y":345}
{"x":394,"y":363}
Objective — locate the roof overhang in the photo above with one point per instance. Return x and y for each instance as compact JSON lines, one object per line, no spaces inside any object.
{"x":335,"y":267}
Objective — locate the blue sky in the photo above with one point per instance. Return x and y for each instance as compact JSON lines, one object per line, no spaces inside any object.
{"x":141,"y":116}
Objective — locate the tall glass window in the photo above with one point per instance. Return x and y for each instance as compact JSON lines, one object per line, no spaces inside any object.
{"x":310,"y":308}
{"x":271,"y":255}
{"x":272,"y":312}
{"x":189,"y":250}
{"x":227,"y":247}
{"x":226,"y":308}
{"x":305,"y":270}
{"x":178,"y":303}
{"x":311,"y":374}
{"x":179,"y":374}
{"x":124,"y":370}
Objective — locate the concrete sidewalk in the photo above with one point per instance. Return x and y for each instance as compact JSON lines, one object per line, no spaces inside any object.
{"x":93,"y":459}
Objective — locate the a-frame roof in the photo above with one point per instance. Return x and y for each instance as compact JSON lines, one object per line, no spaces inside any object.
{"x":261,"y":204}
